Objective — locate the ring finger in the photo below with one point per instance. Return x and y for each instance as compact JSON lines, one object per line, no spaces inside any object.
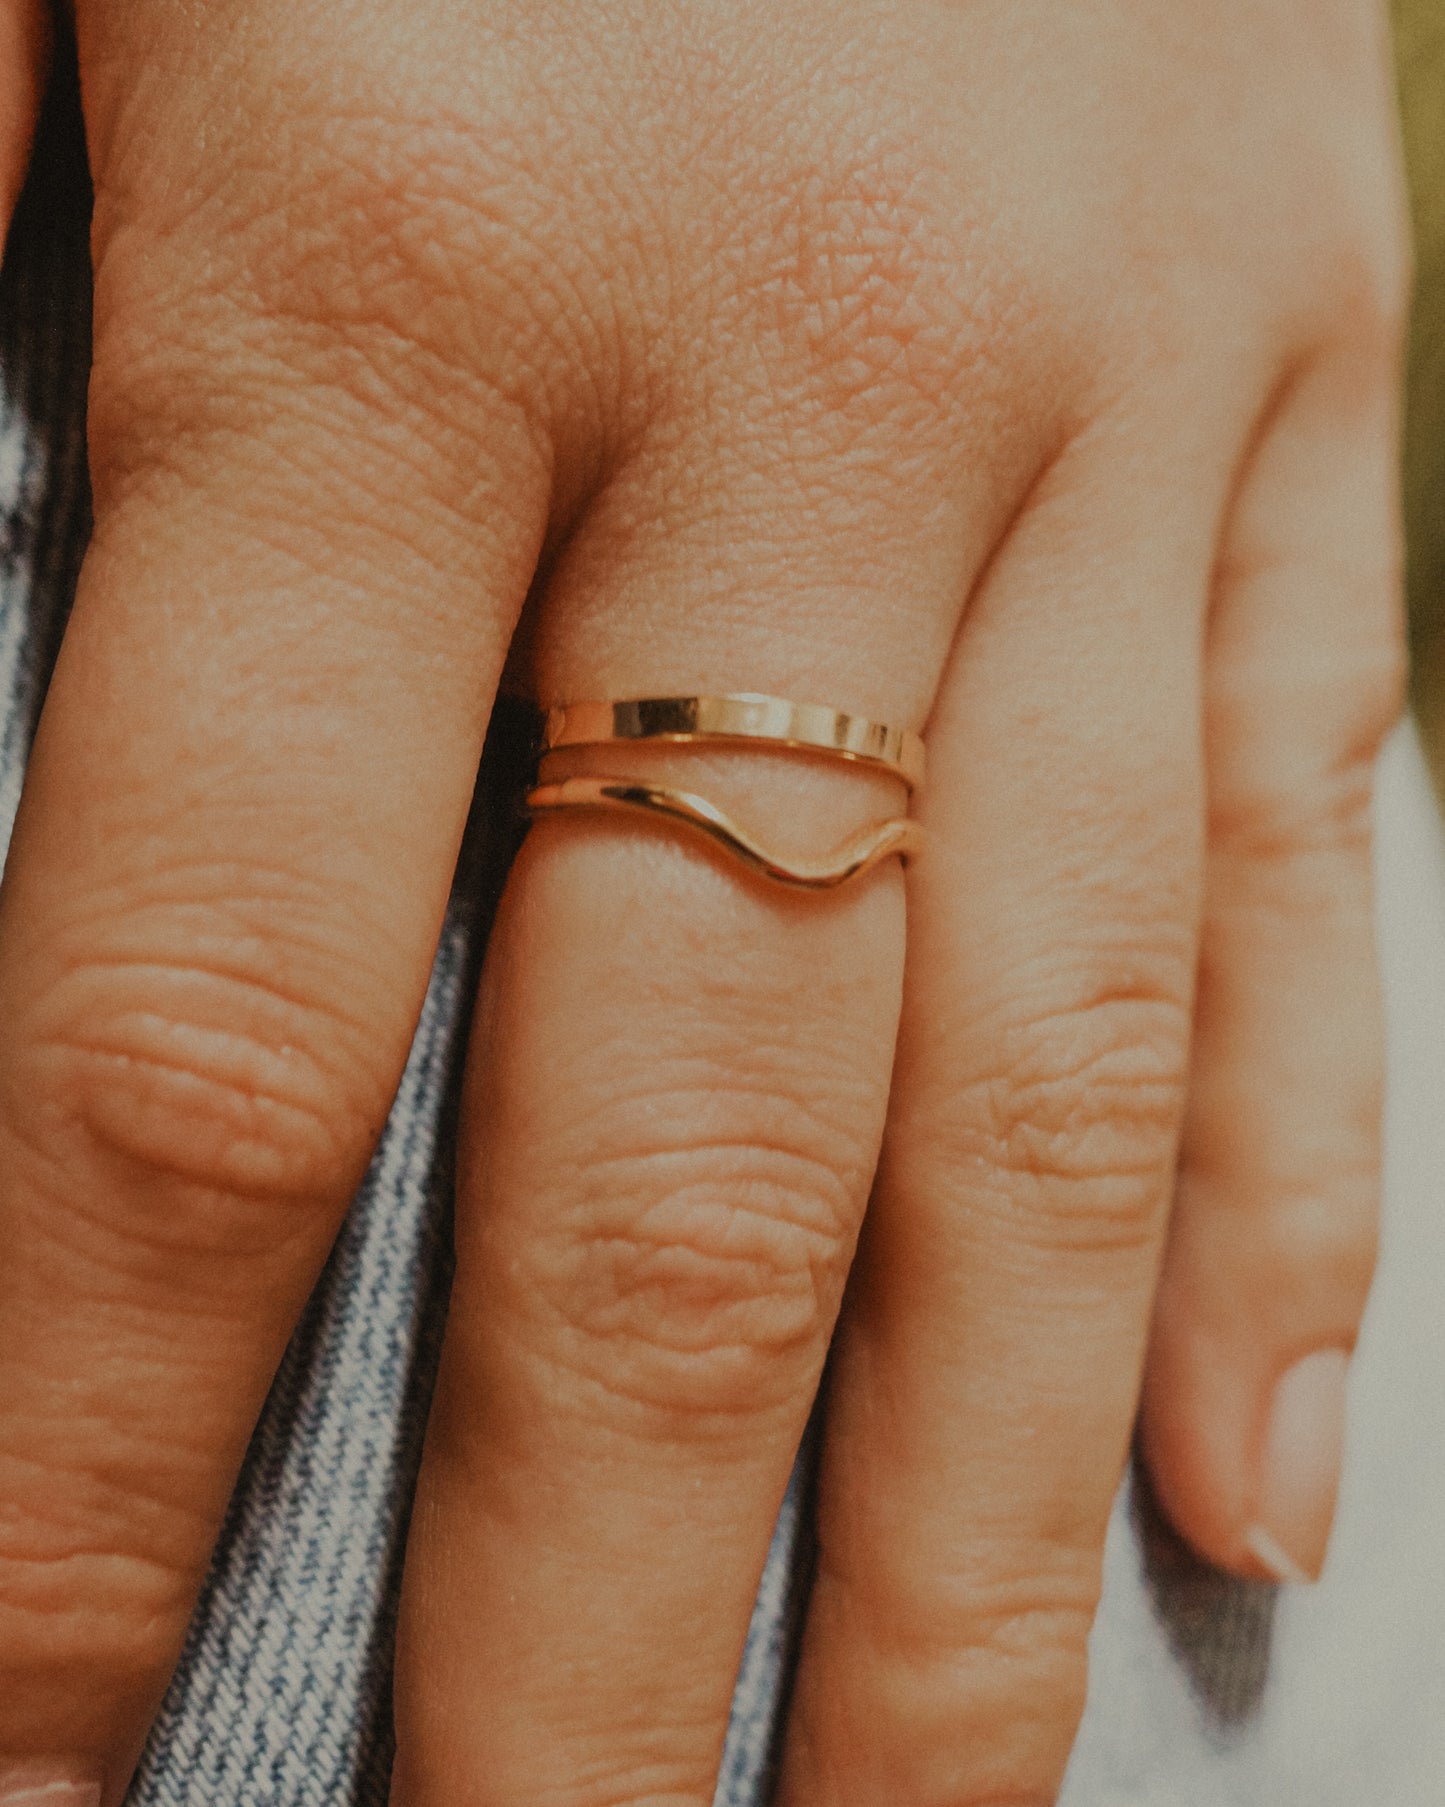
{"x":986,"y":1372}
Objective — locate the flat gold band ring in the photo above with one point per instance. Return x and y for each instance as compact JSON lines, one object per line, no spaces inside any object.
{"x":810,"y":727}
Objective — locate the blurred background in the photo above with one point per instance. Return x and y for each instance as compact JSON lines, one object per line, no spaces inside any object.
{"x":1420,"y":27}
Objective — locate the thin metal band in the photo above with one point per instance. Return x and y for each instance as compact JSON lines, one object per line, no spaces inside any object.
{"x":857,"y":855}
{"x":810,"y":726}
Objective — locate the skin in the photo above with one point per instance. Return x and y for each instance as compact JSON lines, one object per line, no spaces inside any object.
{"x":1023,"y":374}
{"x":24,"y":36}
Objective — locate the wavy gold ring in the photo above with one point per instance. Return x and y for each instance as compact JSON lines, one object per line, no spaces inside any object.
{"x":811,"y":727}
{"x":857,"y":855}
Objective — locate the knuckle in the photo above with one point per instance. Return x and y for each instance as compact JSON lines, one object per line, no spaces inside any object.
{"x":204,"y":1091}
{"x":90,"y":1614}
{"x":983,"y":1669}
{"x":387,"y":250}
{"x":1297,"y":796}
{"x":403,"y":269}
{"x":180,"y":1094}
{"x":701,"y":1276}
{"x":1288,"y":826}
{"x":853,"y":275}
{"x":855,"y":282}
{"x":1034,"y":1635}
{"x":1071,"y":1133}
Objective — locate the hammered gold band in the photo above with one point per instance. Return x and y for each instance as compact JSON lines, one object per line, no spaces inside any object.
{"x":809,"y":727}
{"x":857,"y":855}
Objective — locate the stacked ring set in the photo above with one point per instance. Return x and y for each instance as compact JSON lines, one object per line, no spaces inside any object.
{"x":807,"y":727}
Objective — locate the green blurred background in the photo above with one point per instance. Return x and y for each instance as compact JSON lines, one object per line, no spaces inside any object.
{"x":1420,"y":29}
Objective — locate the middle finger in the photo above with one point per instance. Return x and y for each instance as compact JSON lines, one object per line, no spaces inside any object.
{"x":678,"y":1087}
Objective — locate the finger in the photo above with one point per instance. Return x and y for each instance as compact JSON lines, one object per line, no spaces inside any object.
{"x":1273,"y":1238}
{"x":678,"y":1084}
{"x":24,"y":45}
{"x":221,"y":904}
{"x":985,"y":1376}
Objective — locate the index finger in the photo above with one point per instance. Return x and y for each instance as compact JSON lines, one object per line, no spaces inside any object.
{"x":218,"y":914}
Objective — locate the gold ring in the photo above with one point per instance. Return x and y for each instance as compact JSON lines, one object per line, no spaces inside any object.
{"x":810,"y":726}
{"x":857,"y":855}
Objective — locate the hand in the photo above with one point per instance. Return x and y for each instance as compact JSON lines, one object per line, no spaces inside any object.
{"x":1019,"y":371}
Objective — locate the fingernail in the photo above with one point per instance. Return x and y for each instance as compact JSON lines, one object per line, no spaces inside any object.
{"x":38,"y":1791}
{"x":1299,"y":1471}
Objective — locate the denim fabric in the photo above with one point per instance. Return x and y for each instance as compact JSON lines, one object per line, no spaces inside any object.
{"x":1206,"y":1691}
